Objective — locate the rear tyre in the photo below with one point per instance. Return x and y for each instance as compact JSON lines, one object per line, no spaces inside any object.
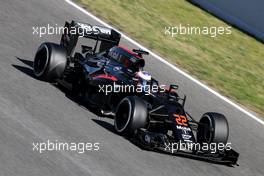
{"x":131,"y":114}
{"x":49,"y":62}
{"x":213,"y":128}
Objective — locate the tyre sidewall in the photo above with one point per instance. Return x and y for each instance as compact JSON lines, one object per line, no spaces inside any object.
{"x":55,"y":63}
{"x":137,"y":116}
{"x":219,"y":126}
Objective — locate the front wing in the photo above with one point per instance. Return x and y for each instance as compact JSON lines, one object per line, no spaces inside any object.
{"x":227,"y":157}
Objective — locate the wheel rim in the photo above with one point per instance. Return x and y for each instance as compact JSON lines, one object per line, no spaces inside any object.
{"x":41,"y":60}
{"x":207,"y":131}
{"x":123,"y":115}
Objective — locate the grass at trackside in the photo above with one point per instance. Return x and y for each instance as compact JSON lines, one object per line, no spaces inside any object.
{"x":232,"y":64}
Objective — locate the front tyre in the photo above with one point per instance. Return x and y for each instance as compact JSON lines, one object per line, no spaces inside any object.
{"x":49,"y":62}
{"x":131,"y":114}
{"x":213,"y":128}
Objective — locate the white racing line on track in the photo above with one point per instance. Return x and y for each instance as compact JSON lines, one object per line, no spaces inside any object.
{"x":169,"y":64}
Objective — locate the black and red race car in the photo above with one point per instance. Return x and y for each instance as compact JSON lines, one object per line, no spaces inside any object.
{"x":112,"y":78}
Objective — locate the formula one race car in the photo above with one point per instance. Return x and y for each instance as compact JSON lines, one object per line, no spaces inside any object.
{"x":111,"y":78}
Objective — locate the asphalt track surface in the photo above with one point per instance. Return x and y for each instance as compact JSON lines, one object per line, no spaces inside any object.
{"x":35,"y":111}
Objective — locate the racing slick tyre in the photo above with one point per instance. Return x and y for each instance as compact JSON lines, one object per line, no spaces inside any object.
{"x":131,"y":114}
{"x":49,"y":62}
{"x":212,"y":128}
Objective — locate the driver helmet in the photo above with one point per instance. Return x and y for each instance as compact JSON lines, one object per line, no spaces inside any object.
{"x":144,"y":79}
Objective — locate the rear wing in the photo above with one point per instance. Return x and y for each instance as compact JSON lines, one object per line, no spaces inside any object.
{"x":72,"y":31}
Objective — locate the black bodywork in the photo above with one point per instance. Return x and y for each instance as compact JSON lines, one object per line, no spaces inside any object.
{"x":106,"y":63}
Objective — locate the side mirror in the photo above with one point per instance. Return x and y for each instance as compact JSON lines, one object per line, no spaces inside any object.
{"x":172,"y":95}
{"x":173,"y":87}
